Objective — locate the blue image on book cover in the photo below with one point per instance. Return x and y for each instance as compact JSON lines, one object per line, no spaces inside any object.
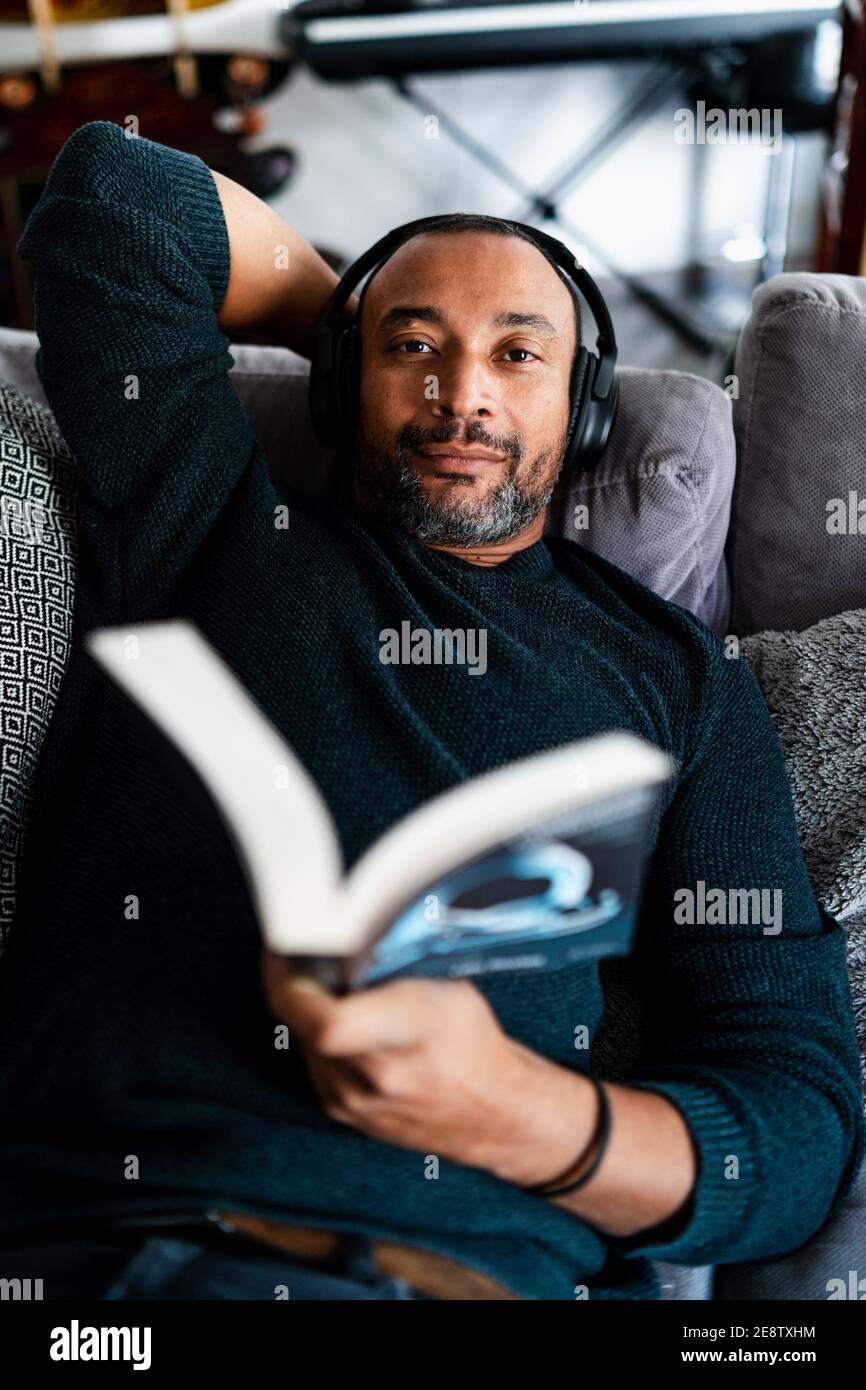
{"x":540,"y":902}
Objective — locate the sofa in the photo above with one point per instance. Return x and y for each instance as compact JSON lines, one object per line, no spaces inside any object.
{"x":718,"y":499}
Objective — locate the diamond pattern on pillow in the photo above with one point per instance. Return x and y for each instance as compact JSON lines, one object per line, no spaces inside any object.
{"x":38,"y":555}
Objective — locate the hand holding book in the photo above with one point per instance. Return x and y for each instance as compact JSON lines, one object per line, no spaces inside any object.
{"x":392,"y":1062}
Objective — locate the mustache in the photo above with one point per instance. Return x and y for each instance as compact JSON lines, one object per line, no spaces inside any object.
{"x":413,"y":437}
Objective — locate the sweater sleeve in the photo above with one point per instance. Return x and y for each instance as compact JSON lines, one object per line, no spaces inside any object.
{"x":130,"y":251}
{"x":749,"y":1019}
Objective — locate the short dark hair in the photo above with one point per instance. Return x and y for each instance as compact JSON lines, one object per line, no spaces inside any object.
{"x":479,"y":222}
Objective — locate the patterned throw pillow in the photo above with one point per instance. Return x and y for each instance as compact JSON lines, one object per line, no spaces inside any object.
{"x":37,"y":586}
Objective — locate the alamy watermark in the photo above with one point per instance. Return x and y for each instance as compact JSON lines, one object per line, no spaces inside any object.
{"x":846,"y":516}
{"x":20,"y":1290}
{"x":759,"y":125}
{"x":77,"y":1343}
{"x":436,"y":646}
{"x":729,"y":906}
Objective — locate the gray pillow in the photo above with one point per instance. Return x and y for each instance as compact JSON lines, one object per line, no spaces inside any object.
{"x":800,"y":424}
{"x":658,"y":501}
{"x":37,"y":585}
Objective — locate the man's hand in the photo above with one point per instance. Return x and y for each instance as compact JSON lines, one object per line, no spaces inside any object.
{"x":424,"y":1064}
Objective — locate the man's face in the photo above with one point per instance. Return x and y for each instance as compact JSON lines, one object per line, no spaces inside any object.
{"x":467,"y":341}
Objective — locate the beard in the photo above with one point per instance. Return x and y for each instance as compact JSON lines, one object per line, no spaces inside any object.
{"x":388,"y":488}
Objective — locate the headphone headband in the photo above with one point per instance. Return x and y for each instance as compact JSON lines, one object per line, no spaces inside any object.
{"x":334,"y":371}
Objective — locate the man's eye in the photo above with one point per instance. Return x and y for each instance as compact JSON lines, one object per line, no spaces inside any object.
{"x":520,"y":349}
{"x":410,"y":343}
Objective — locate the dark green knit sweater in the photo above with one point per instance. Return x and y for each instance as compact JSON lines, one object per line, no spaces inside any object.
{"x":149,"y":1037}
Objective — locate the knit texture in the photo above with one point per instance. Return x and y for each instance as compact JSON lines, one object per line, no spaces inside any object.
{"x":137,"y":1059}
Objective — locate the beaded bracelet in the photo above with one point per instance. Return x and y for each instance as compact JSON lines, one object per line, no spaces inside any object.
{"x":601,"y":1136}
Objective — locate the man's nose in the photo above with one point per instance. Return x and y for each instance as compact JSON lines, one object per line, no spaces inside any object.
{"x":465,"y":389}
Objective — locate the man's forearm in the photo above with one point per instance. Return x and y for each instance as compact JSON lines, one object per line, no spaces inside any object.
{"x":648,"y":1172}
{"x":278,"y":285}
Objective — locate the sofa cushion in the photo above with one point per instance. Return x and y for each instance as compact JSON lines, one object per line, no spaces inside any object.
{"x":800,"y":425}
{"x":37,"y":583}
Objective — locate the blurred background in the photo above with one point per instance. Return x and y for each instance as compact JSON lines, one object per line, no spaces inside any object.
{"x":684,"y":149}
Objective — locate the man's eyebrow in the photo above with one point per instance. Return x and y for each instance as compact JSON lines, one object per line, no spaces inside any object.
{"x":404,"y":313}
{"x":540,"y":322}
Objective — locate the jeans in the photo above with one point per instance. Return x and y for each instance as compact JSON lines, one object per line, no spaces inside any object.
{"x":167,"y":1266}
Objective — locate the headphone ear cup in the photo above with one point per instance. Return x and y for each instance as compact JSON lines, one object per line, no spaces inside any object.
{"x":608,"y":417}
{"x":593,"y":419}
{"x":597,"y":425}
{"x":579,"y":387}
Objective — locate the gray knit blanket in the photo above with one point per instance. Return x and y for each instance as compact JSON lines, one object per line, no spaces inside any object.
{"x":815,"y":685}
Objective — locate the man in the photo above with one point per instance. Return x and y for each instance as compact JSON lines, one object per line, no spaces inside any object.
{"x":139,"y":1071}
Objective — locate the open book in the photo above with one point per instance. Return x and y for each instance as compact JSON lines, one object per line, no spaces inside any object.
{"x":536,"y":865}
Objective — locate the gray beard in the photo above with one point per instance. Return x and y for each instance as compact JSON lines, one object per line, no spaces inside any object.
{"x":399,"y":499}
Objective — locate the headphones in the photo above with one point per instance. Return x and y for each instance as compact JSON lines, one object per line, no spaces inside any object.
{"x":334,"y":389}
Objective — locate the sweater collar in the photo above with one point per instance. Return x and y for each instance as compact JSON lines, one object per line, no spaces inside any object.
{"x":534,"y":562}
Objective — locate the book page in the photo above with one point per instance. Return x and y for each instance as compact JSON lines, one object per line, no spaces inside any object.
{"x":279,"y":824}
